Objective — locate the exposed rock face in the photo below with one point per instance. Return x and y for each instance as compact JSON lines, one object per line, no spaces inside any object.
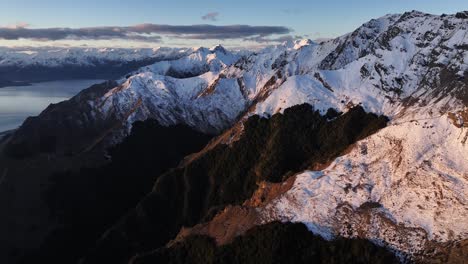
{"x":462,"y":15}
{"x":234,"y":221}
{"x":451,"y":252}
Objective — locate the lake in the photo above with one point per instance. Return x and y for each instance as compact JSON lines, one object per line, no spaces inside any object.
{"x":19,"y":102}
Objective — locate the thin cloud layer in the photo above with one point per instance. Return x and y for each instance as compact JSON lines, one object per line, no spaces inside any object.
{"x":143,"y":32}
{"x":19,"y":25}
{"x":213,"y":16}
{"x":261,"y":39}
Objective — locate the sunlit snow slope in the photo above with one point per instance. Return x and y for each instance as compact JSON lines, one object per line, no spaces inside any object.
{"x":405,"y":186}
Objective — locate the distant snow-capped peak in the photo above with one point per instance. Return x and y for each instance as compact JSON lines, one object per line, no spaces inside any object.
{"x":54,"y":56}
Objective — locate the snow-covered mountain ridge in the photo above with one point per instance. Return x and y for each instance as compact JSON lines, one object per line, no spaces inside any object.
{"x":56,"y":57}
{"x":386,"y":65}
{"x":22,"y":65}
{"x":404,"y":187}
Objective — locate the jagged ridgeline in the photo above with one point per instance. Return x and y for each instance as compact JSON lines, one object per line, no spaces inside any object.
{"x":271,"y":243}
{"x":268,"y":150}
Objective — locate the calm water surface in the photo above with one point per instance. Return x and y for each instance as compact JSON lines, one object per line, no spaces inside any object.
{"x":19,"y":102}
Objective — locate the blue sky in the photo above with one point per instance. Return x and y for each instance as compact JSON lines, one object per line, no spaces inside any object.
{"x":315,"y":19}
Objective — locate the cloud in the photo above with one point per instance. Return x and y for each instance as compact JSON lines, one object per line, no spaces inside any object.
{"x":18,"y":25}
{"x":280,"y":39}
{"x":95,"y":33}
{"x":143,"y":32}
{"x":213,"y":16}
{"x":211,"y":31}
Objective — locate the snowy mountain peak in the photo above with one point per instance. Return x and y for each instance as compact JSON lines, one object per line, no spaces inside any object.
{"x":218,"y":48}
{"x":303,"y":42}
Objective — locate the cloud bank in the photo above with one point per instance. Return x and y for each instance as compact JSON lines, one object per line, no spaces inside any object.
{"x":143,"y":32}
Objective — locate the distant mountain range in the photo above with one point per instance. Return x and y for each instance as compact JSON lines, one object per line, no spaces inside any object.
{"x":24,"y":65}
{"x":356,"y":139}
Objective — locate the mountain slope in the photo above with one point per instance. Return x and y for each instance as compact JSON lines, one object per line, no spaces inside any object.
{"x":406,"y":181}
{"x":403,"y":187}
{"x":271,"y":150}
{"x":76,"y":199}
{"x":272,"y":243}
{"x":105,"y":112}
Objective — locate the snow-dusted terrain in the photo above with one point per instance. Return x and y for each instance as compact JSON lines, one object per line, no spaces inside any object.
{"x":405,"y":186}
{"x":179,"y":91}
{"x":387,"y":65}
{"x":23,"y":65}
{"x":57,"y":57}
